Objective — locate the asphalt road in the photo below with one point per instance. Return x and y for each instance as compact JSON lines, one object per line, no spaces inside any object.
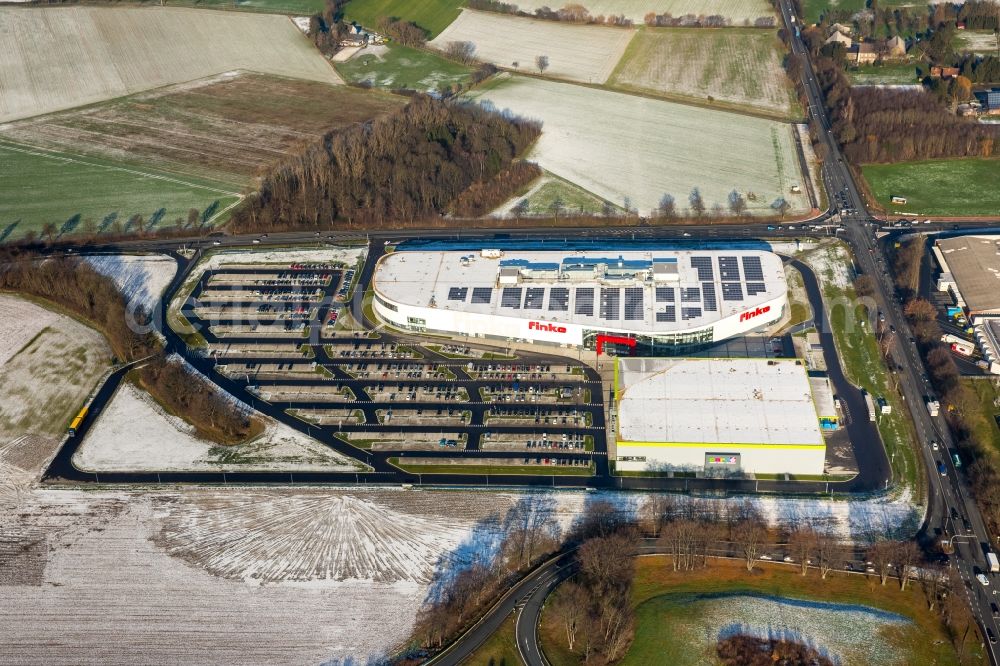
{"x":946,"y":493}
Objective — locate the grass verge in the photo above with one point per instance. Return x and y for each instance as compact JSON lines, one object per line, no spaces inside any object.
{"x":535,"y":470}
{"x":663,"y":600}
{"x":966,"y":187}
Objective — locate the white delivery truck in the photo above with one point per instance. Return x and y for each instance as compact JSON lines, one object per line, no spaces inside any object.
{"x":991,"y":559}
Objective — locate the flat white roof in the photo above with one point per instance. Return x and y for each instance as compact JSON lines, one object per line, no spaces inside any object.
{"x":822,"y":391}
{"x":641,"y":291}
{"x":716,"y":401}
{"x":974,"y":262}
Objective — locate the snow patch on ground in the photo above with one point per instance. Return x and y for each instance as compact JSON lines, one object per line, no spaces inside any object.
{"x":346,"y":255}
{"x":847,"y":634}
{"x":832,"y":263}
{"x":20,"y":321}
{"x":141,"y":278}
{"x":133,"y":433}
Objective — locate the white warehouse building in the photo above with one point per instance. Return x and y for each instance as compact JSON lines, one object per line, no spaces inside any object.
{"x":716,"y":417}
{"x":656,"y":300}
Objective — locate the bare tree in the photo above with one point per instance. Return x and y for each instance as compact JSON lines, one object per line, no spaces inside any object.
{"x":829,"y":553}
{"x":803,"y":542}
{"x":656,"y":512}
{"x":880,"y":554}
{"x":696,"y":202}
{"x":462,"y":51}
{"x":907,"y":557}
{"x":737,"y":203}
{"x":570,"y":610}
{"x":542,"y":63}
{"x":749,"y":534}
{"x":667,"y":207}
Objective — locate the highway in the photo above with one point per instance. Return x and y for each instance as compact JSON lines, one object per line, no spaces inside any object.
{"x":949,"y":493}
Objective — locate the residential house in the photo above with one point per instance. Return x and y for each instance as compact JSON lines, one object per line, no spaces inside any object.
{"x":864,"y":53}
{"x":841,"y":28}
{"x":938,"y":72}
{"x":895,"y":47}
{"x":840,"y":38}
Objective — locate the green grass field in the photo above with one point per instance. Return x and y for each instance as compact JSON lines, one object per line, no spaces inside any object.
{"x":557,"y":196}
{"x":431,"y":15}
{"x":899,"y":73}
{"x":938,"y":187}
{"x":667,"y":605}
{"x":813,"y":9}
{"x":89,"y":194}
{"x":987,"y":430}
{"x":403,"y":67}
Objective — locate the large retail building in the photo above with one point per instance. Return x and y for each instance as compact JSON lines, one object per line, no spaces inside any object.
{"x":655,"y":300}
{"x":716,"y":417}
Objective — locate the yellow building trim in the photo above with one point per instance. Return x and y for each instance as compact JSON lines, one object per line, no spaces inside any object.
{"x":718,"y":446}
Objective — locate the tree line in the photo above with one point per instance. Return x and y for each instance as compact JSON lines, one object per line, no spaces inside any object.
{"x":75,"y":286}
{"x":412,"y":164}
{"x":327,"y":29}
{"x":959,"y":402}
{"x":592,"y":611}
{"x":571,"y":13}
{"x":876,"y":125}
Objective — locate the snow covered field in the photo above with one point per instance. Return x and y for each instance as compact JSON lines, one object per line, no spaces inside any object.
{"x":737,"y":11}
{"x":622,"y":146}
{"x":101,"y":591}
{"x":37,"y":395}
{"x":578,"y":52}
{"x":134,"y":434}
{"x":62,"y":57}
{"x":142,"y":278}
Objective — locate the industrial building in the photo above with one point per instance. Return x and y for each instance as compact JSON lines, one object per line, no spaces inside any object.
{"x":970,"y":272}
{"x":717,"y":417}
{"x":655,"y":301}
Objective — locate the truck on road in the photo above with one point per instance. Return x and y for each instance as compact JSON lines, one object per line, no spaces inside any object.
{"x":933,"y":407}
{"x":991,"y":559}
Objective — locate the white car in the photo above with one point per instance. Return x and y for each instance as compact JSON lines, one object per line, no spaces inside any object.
{"x":934,"y":445}
{"x":765,"y":556}
{"x":983,"y":580}
{"x":788,"y":558}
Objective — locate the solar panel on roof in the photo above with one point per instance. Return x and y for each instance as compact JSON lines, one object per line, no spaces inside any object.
{"x":708,"y":292}
{"x":482,"y":295}
{"x":690,"y":313}
{"x":634,"y":304}
{"x":704,"y":266}
{"x":690,"y":295}
{"x":458,"y":293}
{"x":754,"y":288}
{"x":664,"y":294}
{"x":752,"y":270}
{"x":611,"y":303}
{"x":669,"y":314}
{"x":729,"y":268}
{"x":585,"y":301}
{"x":533,"y":298}
{"x":732,"y":291}
{"x":558,"y":299}
{"x":510,"y":297}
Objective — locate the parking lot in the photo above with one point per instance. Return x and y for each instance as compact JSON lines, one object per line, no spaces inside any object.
{"x":274,"y":330}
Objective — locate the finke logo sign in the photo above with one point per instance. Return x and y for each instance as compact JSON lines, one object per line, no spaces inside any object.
{"x":750,"y":314}
{"x":545,"y":327}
